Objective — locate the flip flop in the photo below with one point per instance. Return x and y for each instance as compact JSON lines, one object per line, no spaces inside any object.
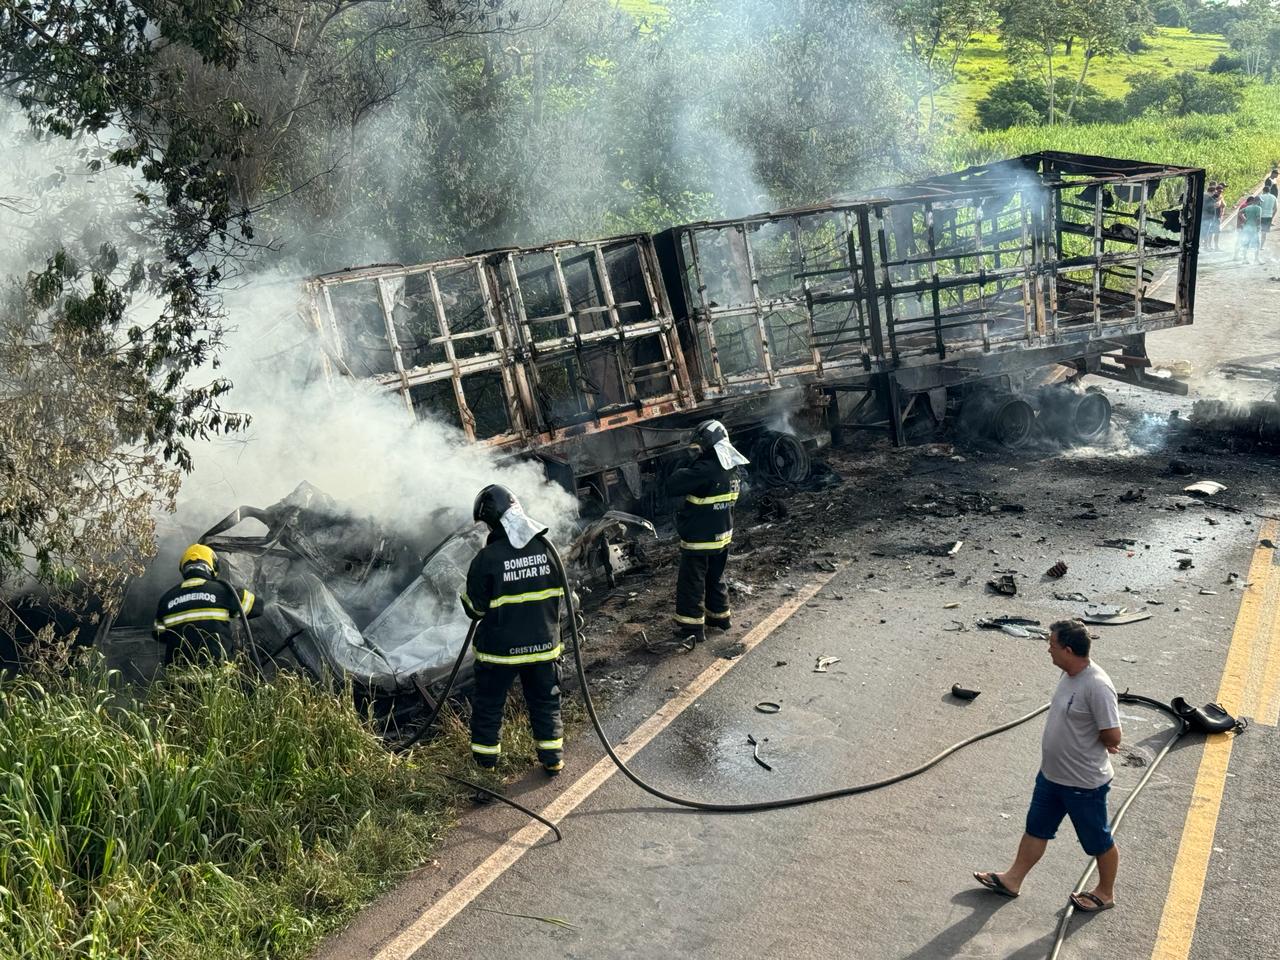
{"x":993,"y":883}
{"x":1082,"y":901}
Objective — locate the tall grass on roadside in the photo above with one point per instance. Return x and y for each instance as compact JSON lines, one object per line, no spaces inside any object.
{"x":1238,"y":148}
{"x":215,"y":818}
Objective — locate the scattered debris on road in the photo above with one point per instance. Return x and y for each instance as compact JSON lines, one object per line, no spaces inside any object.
{"x":823,"y":662}
{"x":1116,"y":619}
{"x":1057,"y":571}
{"x":755,"y":751}
{"x":1003,"y":585}
{"x":769,"y":706}
{"x":963,"y":693}
{"x":1206,"y":488}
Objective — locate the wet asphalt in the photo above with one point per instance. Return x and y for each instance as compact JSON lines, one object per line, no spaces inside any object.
{"x":888,"y":874}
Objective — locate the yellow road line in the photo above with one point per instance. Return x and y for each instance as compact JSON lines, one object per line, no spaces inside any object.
{"x":1178,"y":922}
{"x":1267,"y":709}
{"x":414,"y":937}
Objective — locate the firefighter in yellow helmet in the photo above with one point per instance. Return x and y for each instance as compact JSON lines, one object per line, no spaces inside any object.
{"x":193,"y":619}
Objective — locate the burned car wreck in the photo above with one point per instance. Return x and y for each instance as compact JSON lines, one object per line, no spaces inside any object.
{"x":351,"y":601}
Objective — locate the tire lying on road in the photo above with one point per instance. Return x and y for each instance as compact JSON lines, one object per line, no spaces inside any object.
{"x":1005,"y":418}
{"x":1071,"y":415}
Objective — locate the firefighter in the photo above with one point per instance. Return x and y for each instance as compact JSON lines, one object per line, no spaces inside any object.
{"x":704,"y":524}
{"x":514,"y":591}
{"x":193,"y":619}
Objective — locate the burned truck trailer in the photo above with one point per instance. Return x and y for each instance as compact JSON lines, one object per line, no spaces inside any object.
{"x":593,"y":355}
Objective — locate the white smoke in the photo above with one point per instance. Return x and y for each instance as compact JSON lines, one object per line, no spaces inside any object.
{"x":354,"y":440}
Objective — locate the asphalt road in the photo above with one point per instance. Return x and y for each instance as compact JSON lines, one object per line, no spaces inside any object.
{"x":888,"y":874}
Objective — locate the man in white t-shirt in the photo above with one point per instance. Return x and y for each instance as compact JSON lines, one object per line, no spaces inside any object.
{"x":1082,"y":730}
{"x":1268,"y":201}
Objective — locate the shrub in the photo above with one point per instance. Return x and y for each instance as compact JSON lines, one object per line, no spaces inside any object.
{"x":1024,"y":102}
{"x":1227,"y":63}
{"x":1181,"y":94}
{"x":1170,"y":13}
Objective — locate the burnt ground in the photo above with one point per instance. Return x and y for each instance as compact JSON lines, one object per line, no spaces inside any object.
{"x":886,"y":874}
{"x":892,"y":517}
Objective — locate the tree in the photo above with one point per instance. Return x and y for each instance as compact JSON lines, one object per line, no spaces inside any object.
{"x":1104,"y":28}
{"x":936,"y":34}
{"x":1185,"y":92}
{"x":113,"y":323}
{"x":1255,"y":34}
{"x":1032,"y":33}
{"x":97,"y":404}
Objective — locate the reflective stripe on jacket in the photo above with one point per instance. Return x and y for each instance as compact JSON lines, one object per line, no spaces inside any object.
{"x":705,"y":518}
{"x":515,"y":594}
{"x":198,"y":606}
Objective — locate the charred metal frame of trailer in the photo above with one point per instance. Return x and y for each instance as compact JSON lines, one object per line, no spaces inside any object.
{"x":572,"y":350}
{"x":519,"y":347}
{"x":985,"y":273}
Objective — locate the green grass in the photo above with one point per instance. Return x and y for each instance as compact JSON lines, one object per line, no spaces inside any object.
{"x":645,"y":9}
{"x":983,"y":65}
{"x":1238,"y":148}
{"x":215,"y":819}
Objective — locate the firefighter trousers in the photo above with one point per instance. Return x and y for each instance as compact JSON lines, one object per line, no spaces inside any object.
{"x":541,"y":685}
{"x":702,"y":599}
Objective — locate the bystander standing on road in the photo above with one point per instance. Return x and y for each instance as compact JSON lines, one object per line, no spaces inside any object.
{"x":1082,"y":730}
{"x":1249,"y":231}
{"x":1268,"y":201}
{"x":1219,"y":211}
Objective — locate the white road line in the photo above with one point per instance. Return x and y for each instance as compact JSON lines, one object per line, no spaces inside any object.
{"x":414,"y":937}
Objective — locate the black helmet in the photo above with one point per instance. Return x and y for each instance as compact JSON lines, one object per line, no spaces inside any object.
{"x":491,"y":503}
{"x":708,"y":433}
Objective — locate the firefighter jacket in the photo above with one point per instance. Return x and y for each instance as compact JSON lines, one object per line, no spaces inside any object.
{"x":515,"y":594}
{"x":197,"y":614}
{"x":705,"y":519}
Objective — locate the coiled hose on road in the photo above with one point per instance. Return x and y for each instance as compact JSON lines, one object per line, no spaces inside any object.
{"x":802,"y":799}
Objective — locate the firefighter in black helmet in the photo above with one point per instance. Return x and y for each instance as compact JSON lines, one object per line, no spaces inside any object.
{"x":193,"y":619}
{"x":513,"y":590}
{"x":704,"y":524}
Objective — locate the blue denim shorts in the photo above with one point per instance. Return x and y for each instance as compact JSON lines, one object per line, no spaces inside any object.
{"x":1050,"y":802}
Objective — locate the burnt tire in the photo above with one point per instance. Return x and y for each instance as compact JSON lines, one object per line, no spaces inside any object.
{"x":1091,"y":418}
{"x":1013,"y":423}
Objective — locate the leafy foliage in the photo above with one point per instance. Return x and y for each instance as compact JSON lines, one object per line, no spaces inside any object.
{"x":217,"y":818}
{"x":1022,"y":101}
{"x":1037,"y":36}
{"x":96,"y":404}
{"x":1184,"y":93}
{"x":1237,"y":148}
{"x":113,"y":322}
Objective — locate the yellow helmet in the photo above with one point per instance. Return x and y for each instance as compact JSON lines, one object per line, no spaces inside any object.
{"x":199,"y":553}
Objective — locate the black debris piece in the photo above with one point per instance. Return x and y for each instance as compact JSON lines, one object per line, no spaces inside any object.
{"x":1004,"y":585}
{"x":755,"y":751}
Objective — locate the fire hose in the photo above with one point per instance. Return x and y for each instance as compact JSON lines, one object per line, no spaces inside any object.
{"x":1187,"y":718}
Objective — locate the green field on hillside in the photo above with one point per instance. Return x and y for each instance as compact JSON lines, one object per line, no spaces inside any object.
{"x":1238,"y":148}
{"x":644,"y":9}
{"x":983,"y":65}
